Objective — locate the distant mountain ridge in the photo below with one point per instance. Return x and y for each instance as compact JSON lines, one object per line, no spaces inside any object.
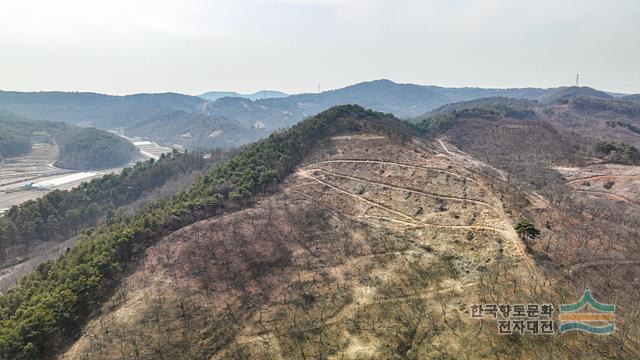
{"x":260,"y":95}
{"x":131,"y":113}
{"x":104,"y":111}
{"x":635,"y":98}
{"x":402,"y":100}
{"x":565,"y":94}
{"x":254,"y":115}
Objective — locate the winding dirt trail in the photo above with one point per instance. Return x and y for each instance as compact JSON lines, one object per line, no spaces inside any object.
{"x":365,"y":161}
{"x":446,"y":149}
{"x":445,"y":197}
{"x":367,"y":296}
{"x":507,"y":232}
{"x":601,"y":177}
{"x":470,"y":160}
{"x":510,"y":234}
{"x":410,"y":220}
{"x":306,"y":174}
{"x":611,"y":195}
{"x":602,"y":262}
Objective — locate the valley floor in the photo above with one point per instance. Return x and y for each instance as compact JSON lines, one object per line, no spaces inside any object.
{"x":38,"y":168}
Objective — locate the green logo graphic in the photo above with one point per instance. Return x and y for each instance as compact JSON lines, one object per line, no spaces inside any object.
{"x":599,"y":322}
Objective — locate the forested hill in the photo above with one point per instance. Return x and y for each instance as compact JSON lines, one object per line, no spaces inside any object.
{"x":195,"y":131}
{"x":635,"y":97}
{"x":59,"y":215}
{"x":563,"y":95}
{"x":90,"y":148}
{"x":12,"y":144}
{"x":79,"y":148}
{"x":46,"y":311}
{"x":15,"y":135}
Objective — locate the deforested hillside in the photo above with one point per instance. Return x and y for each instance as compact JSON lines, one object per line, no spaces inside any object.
{"x":526,"y":147}
{"x":608,"y":119}
{"x":594,"y":115}
{"x":352,"y":235}
{"x":574,"y":156}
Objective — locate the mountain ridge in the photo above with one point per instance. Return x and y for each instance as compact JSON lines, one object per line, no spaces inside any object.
{"x":402,"y":100}
{"x":258,"y":95}
{"x":256,"y":117}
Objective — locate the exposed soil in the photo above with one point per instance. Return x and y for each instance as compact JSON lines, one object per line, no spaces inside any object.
{"x":617,"y":182}
{"x":372,"y":250}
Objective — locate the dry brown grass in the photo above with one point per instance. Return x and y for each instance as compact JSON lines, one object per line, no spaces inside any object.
{"x":372,"y":250}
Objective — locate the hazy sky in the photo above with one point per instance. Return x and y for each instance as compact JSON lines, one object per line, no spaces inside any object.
{"x":191,"y":46}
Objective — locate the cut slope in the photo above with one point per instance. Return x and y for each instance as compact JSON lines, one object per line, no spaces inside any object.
{"x":372,"y":250}
{"x":291,"y":266}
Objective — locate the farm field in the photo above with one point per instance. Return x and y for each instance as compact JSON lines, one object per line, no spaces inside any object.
{"x":37,"y":168}
{"x":150,"y":149}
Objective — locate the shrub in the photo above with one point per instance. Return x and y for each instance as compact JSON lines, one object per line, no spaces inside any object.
{"x":526,"y":229}
{"x":618,"y":152}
